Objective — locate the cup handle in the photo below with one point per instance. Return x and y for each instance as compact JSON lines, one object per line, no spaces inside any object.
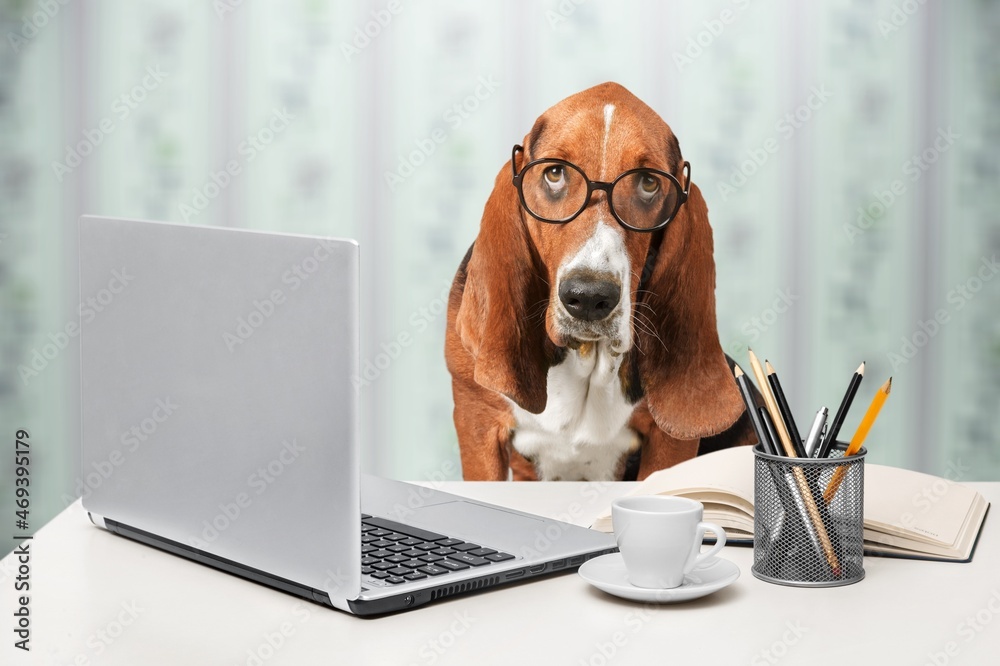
{"x":720,"y":541}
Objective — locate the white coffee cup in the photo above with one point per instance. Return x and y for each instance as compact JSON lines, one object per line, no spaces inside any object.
{"x":660,"y":538}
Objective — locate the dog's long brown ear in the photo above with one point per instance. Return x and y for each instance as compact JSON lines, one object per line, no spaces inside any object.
{"x":501,"y":319}
{"x":689,"y":388}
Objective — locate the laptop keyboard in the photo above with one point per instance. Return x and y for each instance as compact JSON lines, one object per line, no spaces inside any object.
{"x":395,"y":553}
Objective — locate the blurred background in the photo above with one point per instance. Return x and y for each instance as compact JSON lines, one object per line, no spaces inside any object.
{"x":848,"y":151}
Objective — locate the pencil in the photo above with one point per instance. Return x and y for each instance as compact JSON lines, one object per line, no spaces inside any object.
{"x":858,"y":439}
{"x":786,"y":411}
{"x":800,"y":477}
{"x":845,"y":406}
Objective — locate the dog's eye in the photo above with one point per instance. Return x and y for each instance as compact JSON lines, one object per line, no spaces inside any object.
{"x":555,"y":176}
{"x":648,"y":186}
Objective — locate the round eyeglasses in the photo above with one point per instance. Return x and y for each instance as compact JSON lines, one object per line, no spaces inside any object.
{"x":557,"y":191}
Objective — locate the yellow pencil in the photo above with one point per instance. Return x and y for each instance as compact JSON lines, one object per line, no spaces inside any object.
{"x":858,"y":439}
{"x":800,"y":477}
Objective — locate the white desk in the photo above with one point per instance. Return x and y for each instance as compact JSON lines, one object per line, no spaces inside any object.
{"x":85,"y":581}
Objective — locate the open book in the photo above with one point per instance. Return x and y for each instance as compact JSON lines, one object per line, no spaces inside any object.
{"x":907,"y":514}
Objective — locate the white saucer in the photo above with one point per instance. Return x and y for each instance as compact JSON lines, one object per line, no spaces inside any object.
{"x":608,"y":573}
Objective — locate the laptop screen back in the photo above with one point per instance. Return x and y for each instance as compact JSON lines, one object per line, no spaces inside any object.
{"x":216,"y":389}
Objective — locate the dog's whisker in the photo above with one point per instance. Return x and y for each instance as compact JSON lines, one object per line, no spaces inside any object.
{"x":647,"y":306}
{"x":638,"y":346}
{"x":641,"y":327}
{"x":536,"y":307}
{"x":643,"y":318}
{"x":647,"y":327}
{"x":540,"y":304}
{"x":644,"y":330}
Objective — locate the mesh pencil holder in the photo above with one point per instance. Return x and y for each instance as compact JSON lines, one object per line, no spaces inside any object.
{"x":806,"y":534}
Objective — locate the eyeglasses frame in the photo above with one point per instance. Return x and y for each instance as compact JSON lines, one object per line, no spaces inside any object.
{"x":596,"y":185}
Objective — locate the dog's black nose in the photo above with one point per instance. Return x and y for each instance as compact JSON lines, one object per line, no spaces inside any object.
{"x":589,"y":299}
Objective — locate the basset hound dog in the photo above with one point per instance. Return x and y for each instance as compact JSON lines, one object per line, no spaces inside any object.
{"x":581,"y":335}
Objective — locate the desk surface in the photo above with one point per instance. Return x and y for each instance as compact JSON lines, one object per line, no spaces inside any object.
{"x":100,"y":599}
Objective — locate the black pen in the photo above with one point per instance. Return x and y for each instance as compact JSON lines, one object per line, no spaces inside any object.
{"x":845,"y":406}
{"x":786,"y":412}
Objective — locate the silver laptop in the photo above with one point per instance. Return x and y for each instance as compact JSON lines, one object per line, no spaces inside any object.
{"x":220,"y":423}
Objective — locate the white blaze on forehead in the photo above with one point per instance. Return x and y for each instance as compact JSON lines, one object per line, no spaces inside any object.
{"x":609,"y":111}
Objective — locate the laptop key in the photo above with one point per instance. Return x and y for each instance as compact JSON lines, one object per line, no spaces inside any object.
{"x":382,"y":543}
{"x":430,"y":557}
{"x":410,"y":541}
{"x":368,"y":561}
{"x":443,"y":551}
{"x":399,"y":571}
{"x":408,"y":530}
{"x":398,"y":549}
{"x":397,"y":537}
{"x":413,"y":552}
{"x":367,"y":570}
{"x":382,"y":566}
{"x":380,"y":533}
{"x":499,"y":557}
{"x":367,"y":549}
{"x":465,"y":546}
{"x":380,"y":554}
{"x":396,"y":558}
{"x":368,"y":528}
{"x":432,"y":570}
{"x":450,"y":542}
{"x":395,"y":580}
{"x":380,"y":574}
{"x":468,"y":559}
{"x":365,"y":516}
{"x":415,"y":575}
{"x":482,"y":552}
{"x":426,"y":546}
{"x":367,"y":538}
{"x":452,"y":565}
{"x":412,"y":564}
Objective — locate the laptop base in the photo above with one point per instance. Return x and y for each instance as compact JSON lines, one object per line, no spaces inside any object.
{"x":405,"y":600}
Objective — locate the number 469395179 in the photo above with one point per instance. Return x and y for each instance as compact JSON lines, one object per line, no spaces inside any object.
{"x":22,"y":481}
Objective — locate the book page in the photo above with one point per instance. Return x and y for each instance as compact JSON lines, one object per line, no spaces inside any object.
{"x":916,"y":506}
{"x":728,"y":470}
{"x":885,"y":544}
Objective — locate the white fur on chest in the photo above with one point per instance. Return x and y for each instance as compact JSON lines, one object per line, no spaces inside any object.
{"x":583,"y":432}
